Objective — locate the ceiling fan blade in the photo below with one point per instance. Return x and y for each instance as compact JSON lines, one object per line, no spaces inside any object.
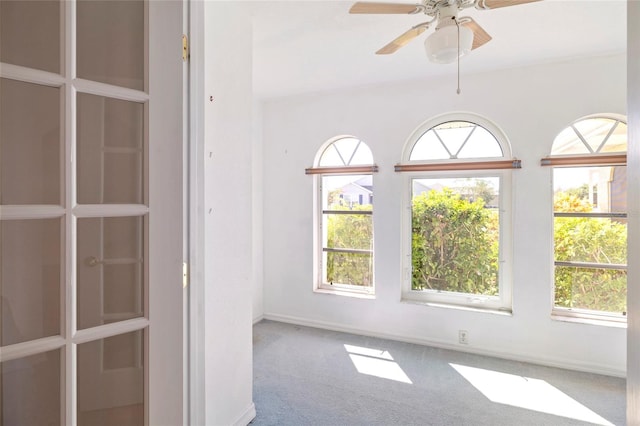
{"x":400,"y":41}
{"x":374,"y":8}
{"x":480,"y":36}
{"x":495,"y":4}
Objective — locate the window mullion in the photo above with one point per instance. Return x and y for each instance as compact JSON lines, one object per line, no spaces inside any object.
{"x":581,"y":137}
{"x":591,"y":265}
{"x":591,"y":214}
{"x":606,"y":138}
{"x":473,"y":129}
{"x":353,"y":153}
{"x":345,"y":250}
{"x":444,"y":145}
{"x":357,"y":212}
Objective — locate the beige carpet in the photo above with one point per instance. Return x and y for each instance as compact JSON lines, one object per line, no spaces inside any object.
{"x":306,"y":376}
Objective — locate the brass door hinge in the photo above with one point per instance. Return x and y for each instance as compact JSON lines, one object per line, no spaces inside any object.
{"x":185,"y":274}
{"x":185,"y":48}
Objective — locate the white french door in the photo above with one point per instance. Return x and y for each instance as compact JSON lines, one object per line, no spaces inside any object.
{"x":91,"y":212}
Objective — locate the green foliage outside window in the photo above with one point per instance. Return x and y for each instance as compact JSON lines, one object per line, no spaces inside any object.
{"x":350,"y":231}
{"x":596,"y":240}
{"x":455,"y":249}
{"x":454,"y":244}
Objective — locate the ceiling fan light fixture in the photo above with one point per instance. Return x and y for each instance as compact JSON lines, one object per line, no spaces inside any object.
{"x":442,"y":45}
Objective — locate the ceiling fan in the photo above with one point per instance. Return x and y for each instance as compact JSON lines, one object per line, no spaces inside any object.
{"x":453,"y":36}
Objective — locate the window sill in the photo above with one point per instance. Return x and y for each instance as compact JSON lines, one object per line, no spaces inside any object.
{"x":345,"y":292}
{"x":484,"y":310}
{"x":577,"y":319}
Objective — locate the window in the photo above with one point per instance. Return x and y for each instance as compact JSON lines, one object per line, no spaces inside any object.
{"x":344,"y":216}
{"x":590,"y":218}
{"x":457,"y":242}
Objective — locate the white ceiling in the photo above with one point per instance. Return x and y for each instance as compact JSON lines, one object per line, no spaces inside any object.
{"x":310,"y":46}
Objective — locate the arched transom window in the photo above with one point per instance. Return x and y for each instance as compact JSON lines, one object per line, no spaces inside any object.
{"x":592,"y":135}
{"x":346,"y":151}
{"x":344,"y":216}
{"x":590,"y":218}
{"x":456,"y":237}
{"x":456,"y":139}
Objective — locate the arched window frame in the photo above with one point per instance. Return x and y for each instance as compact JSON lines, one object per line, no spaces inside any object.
{"x":325,"y":173}
{"x":498,"y":168}
{"x":593,"y":158}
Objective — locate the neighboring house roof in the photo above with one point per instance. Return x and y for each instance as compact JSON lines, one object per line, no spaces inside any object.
{"x":365,"y":181}
{"x":357,"y":187}
{"x":419,"y":187}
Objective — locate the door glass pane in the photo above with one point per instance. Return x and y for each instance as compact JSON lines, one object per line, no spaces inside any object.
{"x":111,"y":381}
{"x":110,"y":150}
{"x":30,"y":262}
{"x":30,"y":390}
{"x":30,"y":34}
{"x":110,"y":42}
{"x":29,"y":143}
{"x":110,"y":270}
{"x":121,"y":351}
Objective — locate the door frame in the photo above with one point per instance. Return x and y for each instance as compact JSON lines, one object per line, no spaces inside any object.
{"x":194,"y":233}
{"x":165,"y":389}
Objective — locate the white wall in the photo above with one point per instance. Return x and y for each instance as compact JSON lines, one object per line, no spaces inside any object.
{"x":222,"y":307}
{"x":633,"y":295}
{"x":257,"y":219}
{"x":531,"y":105}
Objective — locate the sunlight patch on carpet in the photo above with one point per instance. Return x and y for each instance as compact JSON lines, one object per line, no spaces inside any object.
{"x":527,"y":393}
{"x":376,"y":362}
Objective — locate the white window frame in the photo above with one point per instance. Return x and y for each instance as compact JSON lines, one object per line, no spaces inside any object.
{"x":319,"y":283}
{"x":595,"y":159}
{"x":502,"y":302}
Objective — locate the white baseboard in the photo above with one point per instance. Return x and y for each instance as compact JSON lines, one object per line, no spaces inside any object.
{"x":258,"y":319}
{"x":246,"y":417}
{"x":513,"y":356}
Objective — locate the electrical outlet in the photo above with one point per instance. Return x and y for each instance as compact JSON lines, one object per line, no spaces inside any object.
{"x":463,"y":337}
